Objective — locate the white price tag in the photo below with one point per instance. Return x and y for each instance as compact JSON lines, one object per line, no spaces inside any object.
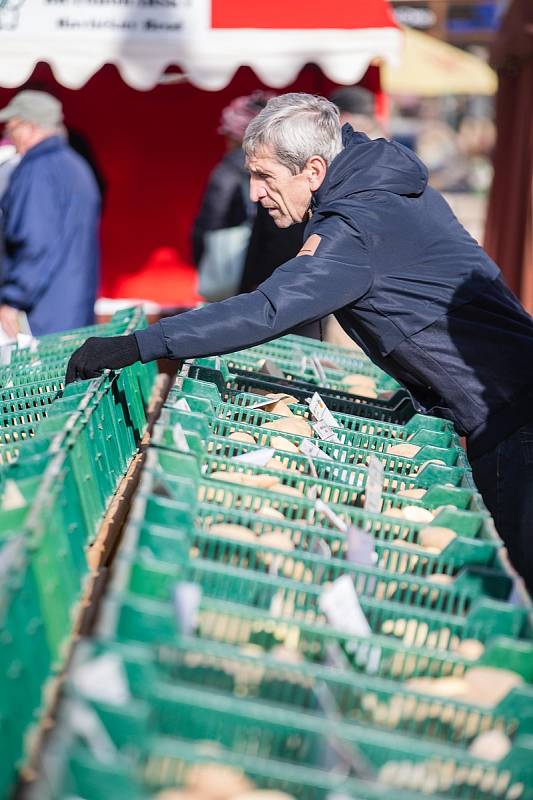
{"x":269,"y":368}
{"x":180,"y":440}
{"x":259,"y":457}
{"x":340,"y":604}
{"x":182,"y":404}
{"x":318,"y":369}
{"x":12,"y":497}
{"x":324,"y":432}
{"x":320,"y":411}
{"x":187,"y":597}
{"x":309,"y":448}
{"x":374,"y":485}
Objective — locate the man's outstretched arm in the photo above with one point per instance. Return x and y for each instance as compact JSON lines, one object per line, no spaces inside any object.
{"x":331,"y":271}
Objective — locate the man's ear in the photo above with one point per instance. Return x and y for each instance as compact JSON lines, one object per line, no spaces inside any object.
{"x":317,"y":169}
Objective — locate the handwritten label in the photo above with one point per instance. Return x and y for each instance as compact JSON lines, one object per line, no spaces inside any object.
{"x":324,"y":432}
{"x":320,"y":411}
{"x":312,"y":450}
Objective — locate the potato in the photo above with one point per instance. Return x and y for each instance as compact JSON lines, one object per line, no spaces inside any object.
{"x":282,"y":652}
{"x":230,"y":530}
{"x":471,"y":649}
{"x":282,"y":489}
{"x":277,"y":463}
{"x":264,"y":794}
{"x":440,"y":687}
{"x":280,"y":408}
{"x":361,"y":390}
{"x":280,"y":443}
{"x":217,"y":781}
{"x":277,"y":539}
{"x":415,"y":494}
{"x":261,"y":481}
{"x":403,"y":449}
{"x":360,"y":380}
{"x":242,"y":436}
{"x":444,"y":580}
{"x":394,"y":512}
{"x":176,"y":794}
{"x":417,"y":514}
{"x":273,"y":513}
{"x":489,"y":685}
{"x":295,"y":424}
{"x":491,"y":745}
{"x":436,"y":537}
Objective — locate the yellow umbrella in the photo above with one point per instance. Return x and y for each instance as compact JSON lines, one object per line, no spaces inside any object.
{"x":430,"y":67}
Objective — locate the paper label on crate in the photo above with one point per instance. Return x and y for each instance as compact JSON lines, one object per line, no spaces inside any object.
{"x":12,"y":497}
{"x":336,"y":521}
{"x":187,"y":597}
{"x":25,"y":341}
{"x":318,"y":369}
{"x":102,"y":678}
{"x":181,"y":404}
{"x":269,"y":368}
{"x":85,"y":722}
{"x":374,"y":485}
{"x":309,"y":448}
{"x":361,"y":547}
{"x":258,"y":458}
{"x":320,"y":411}
{"x":179,"y":438}
{"x":324,"y":432}
{"x":269,"y":401}
{"x":340,"y":604}
{"x":5,"y":355}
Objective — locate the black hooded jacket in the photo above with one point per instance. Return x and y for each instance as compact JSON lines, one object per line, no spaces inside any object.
{"x":406,"y":282}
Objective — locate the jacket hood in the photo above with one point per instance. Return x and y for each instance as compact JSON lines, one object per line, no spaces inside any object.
{"x":365,"y":165}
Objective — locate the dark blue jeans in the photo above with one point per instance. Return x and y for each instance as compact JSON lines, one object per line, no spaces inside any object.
{"x":504,"y":477}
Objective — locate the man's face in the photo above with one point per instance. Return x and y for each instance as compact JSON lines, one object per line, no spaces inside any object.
{"x":20,"y":133}
{"x":284,"y":195}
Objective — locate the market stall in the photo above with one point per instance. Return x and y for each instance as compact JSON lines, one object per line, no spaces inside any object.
{"x":155,"y":142}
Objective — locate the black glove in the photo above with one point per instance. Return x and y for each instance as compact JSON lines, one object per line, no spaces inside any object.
{"x":99,"y":353}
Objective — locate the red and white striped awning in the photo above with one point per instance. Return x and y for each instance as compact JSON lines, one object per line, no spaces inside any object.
{"x":207,"y":39}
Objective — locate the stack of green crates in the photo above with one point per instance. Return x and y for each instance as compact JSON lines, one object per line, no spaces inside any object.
{"x":215,"y":646}
{"x":63,"y":452}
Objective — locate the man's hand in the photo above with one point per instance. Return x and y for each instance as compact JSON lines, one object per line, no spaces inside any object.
{"x":9,"y":320}
{"x":99,"y":353}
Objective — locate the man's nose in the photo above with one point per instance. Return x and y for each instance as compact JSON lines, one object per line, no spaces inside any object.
{"x":257,"y":191}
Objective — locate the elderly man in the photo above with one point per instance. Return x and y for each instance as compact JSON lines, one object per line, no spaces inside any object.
{"x":50,"y":221}
{"x":385,"y":254}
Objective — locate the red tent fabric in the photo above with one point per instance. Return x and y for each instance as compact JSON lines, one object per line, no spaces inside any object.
{"x":156,"y":148}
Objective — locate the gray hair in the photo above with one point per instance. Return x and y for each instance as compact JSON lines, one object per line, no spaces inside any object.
{"x":296,"y":126}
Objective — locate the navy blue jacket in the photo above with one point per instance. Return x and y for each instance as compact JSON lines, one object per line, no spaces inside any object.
{"x":50,"y":218}
{"x":406,"y":282}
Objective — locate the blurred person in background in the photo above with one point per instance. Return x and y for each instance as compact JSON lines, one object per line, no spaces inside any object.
{"x":225,"y":203}
{"x":50,"y":214}
{"x":356,"y":106}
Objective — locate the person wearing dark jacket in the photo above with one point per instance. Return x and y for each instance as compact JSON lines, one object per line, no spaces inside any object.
{"x":225,"y":201}
{"x":385,"y":254}
{"x":51,"y":215}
